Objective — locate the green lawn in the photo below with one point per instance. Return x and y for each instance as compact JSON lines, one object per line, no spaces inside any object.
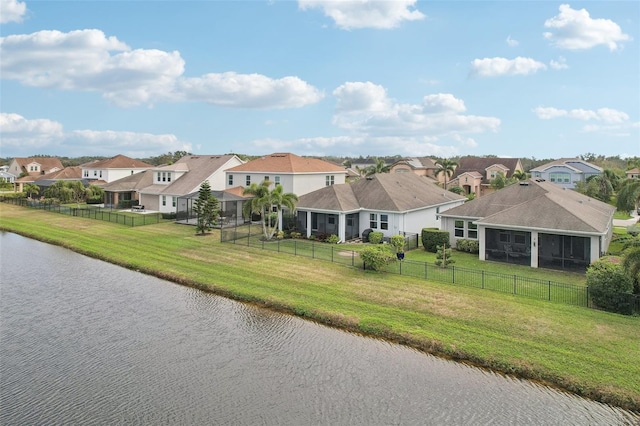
{"x":592,"y":353}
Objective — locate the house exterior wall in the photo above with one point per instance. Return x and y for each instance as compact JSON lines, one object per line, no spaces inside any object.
{"x":298,"y":184}
{"x":551,"y":173}
{"x":150,"y":201}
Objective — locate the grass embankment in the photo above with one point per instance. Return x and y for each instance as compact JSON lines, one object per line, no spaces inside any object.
{"x":594,"y":354}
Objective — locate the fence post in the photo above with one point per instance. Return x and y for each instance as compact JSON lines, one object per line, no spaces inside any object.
{"x":425,"y":270}
{"x":313,"y":250}
{"x":483,"y":279}
{"x":400,"y":268}
{"x":353,"y":258}
{"x":515,"y":280}
{"x":295,"y":248}
{"x":278,"y":246}
{"x":549,"y":289}
{"x":331,"y":254}
{"x":453,"y":274}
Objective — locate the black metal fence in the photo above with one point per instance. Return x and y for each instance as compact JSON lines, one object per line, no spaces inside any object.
{"x":98,"y":213}
{"x":504,"y":283}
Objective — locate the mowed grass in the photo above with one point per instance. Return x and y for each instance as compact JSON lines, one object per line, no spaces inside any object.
{"x":592,"y":353}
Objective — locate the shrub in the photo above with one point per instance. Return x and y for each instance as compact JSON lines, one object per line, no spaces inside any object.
{"x":376,"y":237}
{"x":433,"y":237}
{"x":609,"y":285}
{"x":333,"y":239}
{"x":376,"y":257}
{"x":169,"y":216}
{"x":633,"y":230}
{"x":443,"y":256}
{"x":469,"y":246}
{"x":296,"y":235}
{"x":398,"y":242}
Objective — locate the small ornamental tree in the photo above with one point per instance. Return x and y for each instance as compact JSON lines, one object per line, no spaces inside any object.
{"x":443,"y":256}
{"x":206,"y":207}
{"x":610,"y":285}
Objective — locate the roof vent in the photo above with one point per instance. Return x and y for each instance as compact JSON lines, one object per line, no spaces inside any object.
{"x":524,"y":183}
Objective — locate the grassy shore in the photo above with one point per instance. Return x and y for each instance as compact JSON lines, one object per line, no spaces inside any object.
{"x":591,"y":353}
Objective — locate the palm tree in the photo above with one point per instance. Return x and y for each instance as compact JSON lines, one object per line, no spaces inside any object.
{"x":446,"y":167}
{"x":520,"y":175}
{"x":379,"y":166}
{"x":265,"y":201}
{"x":628,"y":195}
{"x":31,"y":189}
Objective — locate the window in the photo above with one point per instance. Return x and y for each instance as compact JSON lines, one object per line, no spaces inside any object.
{"x":86,"y":173}
{"x":373,"y":221}
{"x":505,"y":237}
{"x":493,"y":174}
{"x":173,"y":201}
{"x":331,"y":220}
{"x":560,"y":177}
{"x":100,"y":173}
{"x":230,"y":180}
{"x":473,"y":230}
{"x":330,"y":180}
{"x":95,"y":173}
{"x":168,"y":176}
{"x":158,"y":178}
{"x":266,"y":178}
{"x":164,"y":200}
{"x":164,"y":176}
{"x":458,"y":228}
{"x":519,"y":238}
{"x":247,"y":180}
{"x":277,"y":180}
{"x":384,"y":221}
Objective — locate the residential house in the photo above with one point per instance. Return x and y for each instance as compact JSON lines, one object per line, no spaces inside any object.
{"x":114,"y":168}
{"x":69,"y":174}
{"x":566,"y":172}
{"x":535,"y":223}
{"x":633,"y":173}
{"x":474,"y":174}
{"x":184,"y":177}
{"x":297,"y":175}
{"x":422,"y":166}
{"x":390,"y":203}
{"x":5,"y":176}
{"x":28,"y":169}
{"x":230,"y":204}
{"x":125,"y":192}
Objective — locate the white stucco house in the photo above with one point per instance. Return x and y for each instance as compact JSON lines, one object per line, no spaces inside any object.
{"x":112,"y":169}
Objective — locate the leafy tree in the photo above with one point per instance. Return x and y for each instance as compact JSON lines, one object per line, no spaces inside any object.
{"x":265,"y":202}
{"x":499,"y":182}
{"x":95,"y":194}
{"x":446,"y":168}
{"x":379,"y":166}
{"x":631,"y":264}
{"x":376,"y":257}
{"x":628,"y":195}
{"x":60,"y":191}
{"x":78,"y":191}
{"x":443,"y":256}
{"x":206,"y":207}
{"x":30,"y":189}
{"x":457,"y":189}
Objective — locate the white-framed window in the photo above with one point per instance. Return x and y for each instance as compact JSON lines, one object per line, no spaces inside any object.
{"x":266,"y":178}
{"x":473,"y":230}
{"x":164,"y":176}
{"x":230,"y":180}
{"x":277,"y":180}
{"x":95,"y":173}
{"x":384,"y":221}
{"x":560,"y":177}
{"x":330,"y":180}
{"x":168,"y":176}
{"x":100,"y":173}
{"x":173,"y":201}
{"x":373,"y":220}
{"x":86,"y":173}
{"x":164,"y":200}
{"x":458,"y":228}
{"x":248,"y":180}
{"x":159,"y":177}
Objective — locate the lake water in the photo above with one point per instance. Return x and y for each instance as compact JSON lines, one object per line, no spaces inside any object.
{"x":86,"y":342}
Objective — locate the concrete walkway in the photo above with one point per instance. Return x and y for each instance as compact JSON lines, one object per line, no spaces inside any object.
{"x":627,"y":222}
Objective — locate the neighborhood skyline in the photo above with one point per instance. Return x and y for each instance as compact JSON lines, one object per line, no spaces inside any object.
{"x":320,"y":78}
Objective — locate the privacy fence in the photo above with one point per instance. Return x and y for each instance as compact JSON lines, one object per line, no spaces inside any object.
{"x":505,"y":283}
{"x":98,"y":213}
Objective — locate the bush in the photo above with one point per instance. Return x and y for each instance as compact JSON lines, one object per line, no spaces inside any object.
{"x":468,"y":246}
{"x":398,"y":242}
{"x":609,"y":285}
{"x":333,"y":239}
{"x":633,"y":230}
{"x":376,"y":237}
{"x":169,"y":216}
{"x":296,"y":235}
{"x":443,"y":256}
{"x":433,"y":237}
{"x":376,"y":257}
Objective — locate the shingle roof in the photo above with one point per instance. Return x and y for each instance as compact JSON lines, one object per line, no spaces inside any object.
{"x":388,"y":192}
{"x":538,"y":204}
{"x":564,"y":162}
{"x":46,"y":163}
{"x":287,"y":163}
{"x":132,"y":182}
{"x":67,"y":173}
{"x":118,"y":162}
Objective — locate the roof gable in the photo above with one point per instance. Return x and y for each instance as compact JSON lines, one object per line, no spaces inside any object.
{"x":478,"y":164}
{"x":118,"y":162}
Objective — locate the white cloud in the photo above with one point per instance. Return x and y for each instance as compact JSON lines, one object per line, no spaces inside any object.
{"x":354,"y":14}
{"x":492,"y":67}
{"x":12,"y":11}
{"x":24,"y":136}
{"x":606,"y":115}
{"x":576,"y":30}
{"x":560,"y":64}
{"x":511,"y":42}
{"x":87,"y":60}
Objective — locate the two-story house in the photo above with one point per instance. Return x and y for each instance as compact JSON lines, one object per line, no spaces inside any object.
{"x":28,"y":170}
{"x":474,"y":174}
{"x":113,"y":168}
{"x":297,"y":175}
{"x":566,"y":172}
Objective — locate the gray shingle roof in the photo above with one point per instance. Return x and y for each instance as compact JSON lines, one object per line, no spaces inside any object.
{"x":397,"y":192}
{"x":538,"y":205}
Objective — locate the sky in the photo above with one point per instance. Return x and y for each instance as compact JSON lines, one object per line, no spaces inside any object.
{"x":529,"y":79}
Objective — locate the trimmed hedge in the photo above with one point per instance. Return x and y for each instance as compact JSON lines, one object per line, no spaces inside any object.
{"x":610,"y":285}
{"x":434,"y":237}
{"x":376,"y":237}
{"x":469,"y":246}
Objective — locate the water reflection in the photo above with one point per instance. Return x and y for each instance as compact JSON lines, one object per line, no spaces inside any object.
{"x":87,"y":342}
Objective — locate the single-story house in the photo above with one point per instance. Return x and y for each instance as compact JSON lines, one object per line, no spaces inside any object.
{"x":535,"y":223}
{"x":393,"y":204}
{"x":566,"y":172}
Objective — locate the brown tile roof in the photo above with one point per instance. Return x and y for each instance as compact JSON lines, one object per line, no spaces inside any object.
{"x":117,"y":162}
{"x":480,"y":164}
{"x":68,"y":173}
{"x":46,"y":163}
{"x":541,"y":205}
{"x":287,"y":163}
{"x":387,"y":192}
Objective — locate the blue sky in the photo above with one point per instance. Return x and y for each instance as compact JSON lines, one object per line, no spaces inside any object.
{"x":536,"y":79}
